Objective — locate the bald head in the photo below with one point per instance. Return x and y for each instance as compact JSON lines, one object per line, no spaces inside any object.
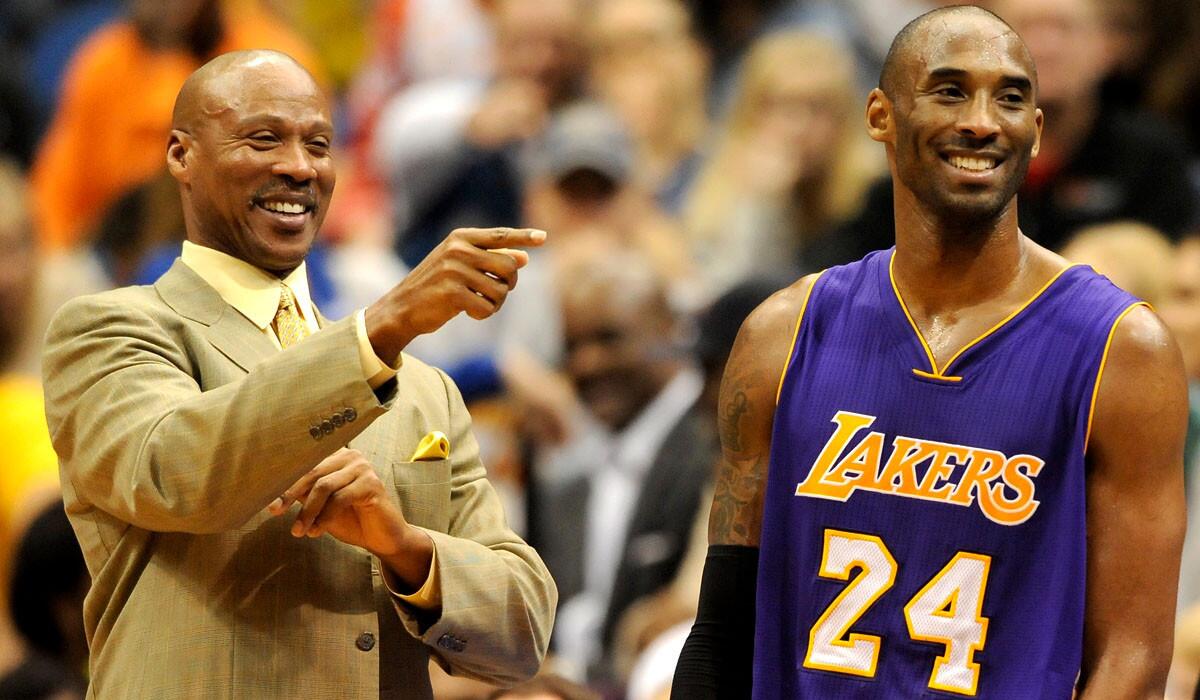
{"x":214,"y":85}
{"x":251,"y":147}
{"x":911,"y":42}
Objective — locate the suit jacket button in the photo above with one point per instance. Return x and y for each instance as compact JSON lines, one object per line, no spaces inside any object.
{"x":326,"y":427}
{"x":316,"y":433}
{"x":445,"y":641}
{"x":349,"y":414}
{"x":337,"y":420}
{"x":365,"y":641}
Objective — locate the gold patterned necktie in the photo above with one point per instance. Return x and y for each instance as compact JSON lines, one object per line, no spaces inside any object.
{"x":290,"y":328}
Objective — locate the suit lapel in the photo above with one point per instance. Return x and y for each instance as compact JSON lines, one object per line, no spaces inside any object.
{"x":231,"y":333}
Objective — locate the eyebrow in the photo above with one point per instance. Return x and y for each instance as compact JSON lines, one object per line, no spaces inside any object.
{"x":266,"y":119}
{"x":1018,"y":81}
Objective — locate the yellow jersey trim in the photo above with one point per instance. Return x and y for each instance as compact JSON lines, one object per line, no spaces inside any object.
{"x":941,"y":373}
{"x":929,"y":375}
{"x":796,"y":335}
{"x":1100,"y":372}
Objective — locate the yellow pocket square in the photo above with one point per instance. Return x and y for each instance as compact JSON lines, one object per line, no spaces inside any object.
{"x":433,"y":446}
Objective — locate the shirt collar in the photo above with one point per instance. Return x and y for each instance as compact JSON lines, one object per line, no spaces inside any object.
{"x":252,"y":291}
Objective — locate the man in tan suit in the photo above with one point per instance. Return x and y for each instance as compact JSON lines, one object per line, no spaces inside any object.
{"x":262,"y":523}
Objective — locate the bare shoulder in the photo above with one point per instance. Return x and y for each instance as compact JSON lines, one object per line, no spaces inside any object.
{"x":766,"y":336}
{"x":1143,"y":349}
{"x":781,"y":306}
{"x":1142,"y":394}
{"x":763,"y":345}
{"x":746,"y":413}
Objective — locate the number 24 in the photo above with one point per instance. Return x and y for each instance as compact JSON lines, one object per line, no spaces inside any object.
{"x":948,"y":610}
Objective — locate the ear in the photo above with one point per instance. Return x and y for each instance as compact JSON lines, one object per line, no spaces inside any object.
{"x":179,"y":148}
{"x":879,"y":116}
{"x":1039,"y":120}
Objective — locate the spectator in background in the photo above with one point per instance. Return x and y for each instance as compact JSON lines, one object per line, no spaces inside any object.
{"x":578,"y":172}
{"x":449,"y":149}
{"x":1131,"y":254}
{"x":1138,"y":33}
{"x":645,"y":647}
{"x":110,"y":130}
{"x":792,"y":163}
{"x":1181,"y":312}
{"x":1174,"y":85}
{"x":336,"y":31}
{"x":48,"y":585}
{"x":663,"y":106}
{"x":414,"y":41}
{"x":581,"y":179}
{"x":655,"y":668}
{"x":144,"y":222}
{"x":1155,"y":50}
{"x":1095,"y":165}
{"x":865,"y":27}
{"x":409,"y":42}
{"x":614,"y":506}
{"x":28,"y":466}
{"x":36,"y":39}
{"x":18,"y":120}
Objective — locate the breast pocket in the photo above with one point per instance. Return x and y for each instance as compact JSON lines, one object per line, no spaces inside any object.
{"x":423,"y":489}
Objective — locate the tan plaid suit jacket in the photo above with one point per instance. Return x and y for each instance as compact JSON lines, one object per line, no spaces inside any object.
{"x":177,"y":421}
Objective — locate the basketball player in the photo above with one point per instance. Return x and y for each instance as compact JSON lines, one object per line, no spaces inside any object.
{"x":967,"y":481}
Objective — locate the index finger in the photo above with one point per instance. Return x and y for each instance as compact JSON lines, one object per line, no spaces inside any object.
{"x":492,"y":238}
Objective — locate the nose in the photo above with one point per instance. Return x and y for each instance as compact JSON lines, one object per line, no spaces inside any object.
{"x":978,"y":118}
{"x":295,"y":163}
{"x":585,"y":359}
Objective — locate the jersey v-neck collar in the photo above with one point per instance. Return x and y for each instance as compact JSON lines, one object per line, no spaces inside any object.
{"x":924,"y":363}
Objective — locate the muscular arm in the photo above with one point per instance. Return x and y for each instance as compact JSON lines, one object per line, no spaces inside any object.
{"x":716,"y":660}
{"x":1135,"y":513}
{"x":747,"y":412}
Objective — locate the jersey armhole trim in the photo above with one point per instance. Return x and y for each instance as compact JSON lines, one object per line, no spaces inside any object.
{"x":787,"y":363}
{"x":1100,"y":372}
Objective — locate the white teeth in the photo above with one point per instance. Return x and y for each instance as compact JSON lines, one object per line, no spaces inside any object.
{"x":284,"y":207}
{"x":976,"y":164}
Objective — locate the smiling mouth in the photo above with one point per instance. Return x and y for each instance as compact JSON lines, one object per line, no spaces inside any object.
{"x":971,"y":164}
{"x":277,"y":207}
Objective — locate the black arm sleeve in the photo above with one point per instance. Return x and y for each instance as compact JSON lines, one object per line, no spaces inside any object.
{"x":716,"y":659}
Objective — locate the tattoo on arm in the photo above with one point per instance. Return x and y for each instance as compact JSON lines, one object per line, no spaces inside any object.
{"x":731,"y":430}
{"x":736,"y":516}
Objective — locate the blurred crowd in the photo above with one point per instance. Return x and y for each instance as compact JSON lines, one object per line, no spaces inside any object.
{"x":688,"y":158}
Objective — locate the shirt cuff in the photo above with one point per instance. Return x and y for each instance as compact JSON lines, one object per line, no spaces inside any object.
{"x":428,"y":596}
{"x":375,"y":370}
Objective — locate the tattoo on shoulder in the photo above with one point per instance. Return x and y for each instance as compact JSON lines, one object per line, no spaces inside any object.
{"x":736,"y":516}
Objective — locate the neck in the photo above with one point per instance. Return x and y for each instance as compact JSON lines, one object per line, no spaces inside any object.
{"x":943,"y":265}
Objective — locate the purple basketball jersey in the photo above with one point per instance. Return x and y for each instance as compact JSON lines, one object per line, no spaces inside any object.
{"x":924,"y":527}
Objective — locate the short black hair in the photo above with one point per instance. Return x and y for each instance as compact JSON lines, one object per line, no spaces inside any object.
{"x":888,"y":75}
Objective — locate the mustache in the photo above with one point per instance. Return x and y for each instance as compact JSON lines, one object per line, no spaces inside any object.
{"x":282,"y":188}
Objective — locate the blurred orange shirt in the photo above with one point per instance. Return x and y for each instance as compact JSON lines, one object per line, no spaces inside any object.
{"x":110,"y":131}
